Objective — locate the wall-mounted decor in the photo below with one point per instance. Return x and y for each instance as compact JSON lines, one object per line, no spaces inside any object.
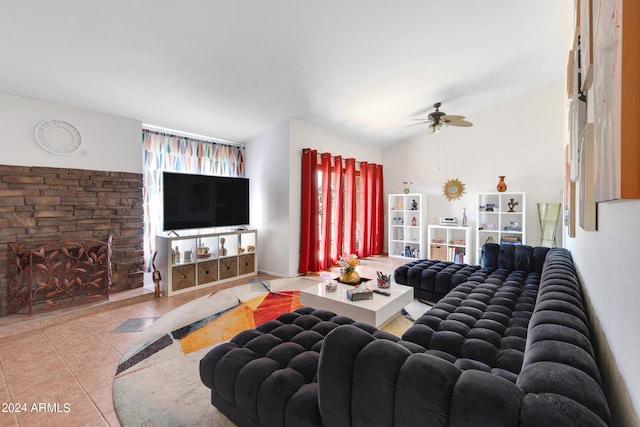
{"x":58,"y":136}
{"x":570,"y":68}
{"x":586,"y":43}
{"x":587,"y":181}
{"x":578,"y":120}
{"x":615,"y":88}
{"x":569,"y":195}
{"x":453,"y":189}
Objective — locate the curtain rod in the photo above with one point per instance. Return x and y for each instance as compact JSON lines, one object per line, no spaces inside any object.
{"x":343,"y":158}
{"x":190,"y":135}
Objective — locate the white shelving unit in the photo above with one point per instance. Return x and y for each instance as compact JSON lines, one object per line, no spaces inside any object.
{"x":215,"y":257}
{"x":450,"y":243}
{"x":502,"y":218}
{"x":407,"y":226}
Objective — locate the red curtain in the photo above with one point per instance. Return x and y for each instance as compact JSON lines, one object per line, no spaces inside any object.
{"x":309,"y":242}
{"x":338,"y":209}
{"x":371,"y":211}
{"x":325,"y":227}
{"x":363,"y":211}
{"x":378,"y":211}
{"x":350,"y":220}
{"x":334,"y":221}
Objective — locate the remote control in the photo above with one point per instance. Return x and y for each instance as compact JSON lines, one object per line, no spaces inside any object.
{"x":385,"y":293}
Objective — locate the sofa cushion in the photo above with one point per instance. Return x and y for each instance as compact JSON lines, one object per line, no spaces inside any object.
{"x":474,"y":321}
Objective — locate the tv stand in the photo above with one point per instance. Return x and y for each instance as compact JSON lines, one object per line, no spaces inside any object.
{"x":205,"y":258}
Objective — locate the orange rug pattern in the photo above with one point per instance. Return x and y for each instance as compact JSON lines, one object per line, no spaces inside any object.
{"x":248,"y":315}
{"x":220,"y":326}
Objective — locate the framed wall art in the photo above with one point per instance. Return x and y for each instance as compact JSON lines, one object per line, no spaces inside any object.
{"x":587,"y":181}
{"x":615,"y":90}
{"x":569,"y":195}
{"x":586,"y":43}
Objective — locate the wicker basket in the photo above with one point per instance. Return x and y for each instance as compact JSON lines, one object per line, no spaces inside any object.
{"x":183,"y":277}
{"x":438,"y":252}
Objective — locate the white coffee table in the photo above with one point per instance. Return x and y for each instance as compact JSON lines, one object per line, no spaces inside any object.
{"x":377,"y":311}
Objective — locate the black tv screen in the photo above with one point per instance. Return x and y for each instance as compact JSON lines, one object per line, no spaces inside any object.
{"x":198,"y":201}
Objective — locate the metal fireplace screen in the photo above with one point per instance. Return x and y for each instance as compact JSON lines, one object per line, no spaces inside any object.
{"x":57,"y":274}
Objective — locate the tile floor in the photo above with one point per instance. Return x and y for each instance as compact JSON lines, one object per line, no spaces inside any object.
{"x":58,"y":370}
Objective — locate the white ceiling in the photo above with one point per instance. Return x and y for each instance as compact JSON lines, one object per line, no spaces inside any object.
{"x":233,"y":68}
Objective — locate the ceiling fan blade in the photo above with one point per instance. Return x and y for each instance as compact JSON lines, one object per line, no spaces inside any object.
{"x":420,"y":123}
{"x":450,"y":118}
{"x":460,"y":123}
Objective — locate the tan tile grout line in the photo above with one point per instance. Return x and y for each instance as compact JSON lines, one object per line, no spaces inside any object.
{"x":6,"y":383}
{"x":75,"y":377}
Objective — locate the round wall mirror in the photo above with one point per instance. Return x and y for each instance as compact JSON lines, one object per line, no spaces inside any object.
{"x":453,"y":189}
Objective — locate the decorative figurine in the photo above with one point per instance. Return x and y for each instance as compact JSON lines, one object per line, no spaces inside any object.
{"x":223,"y":250}
{"x":464,"y":217}
{"x":512,"y":204}
{"x":414,"y":205}
{"x":156,"y":277}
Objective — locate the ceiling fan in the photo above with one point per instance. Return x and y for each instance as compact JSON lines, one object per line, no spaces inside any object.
{"x":438,"y":119}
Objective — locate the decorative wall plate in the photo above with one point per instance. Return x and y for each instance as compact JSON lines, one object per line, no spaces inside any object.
{"x":453,"y":189}
{"x":58,"y":136}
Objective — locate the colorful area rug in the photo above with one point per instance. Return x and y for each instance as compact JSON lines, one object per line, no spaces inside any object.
{"x":157,"y":382}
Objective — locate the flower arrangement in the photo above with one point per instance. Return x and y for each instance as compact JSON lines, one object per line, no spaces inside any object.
{"x":348,"y":262}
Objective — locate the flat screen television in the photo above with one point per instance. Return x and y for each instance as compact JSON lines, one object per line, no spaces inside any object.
{"x":200,"y":201}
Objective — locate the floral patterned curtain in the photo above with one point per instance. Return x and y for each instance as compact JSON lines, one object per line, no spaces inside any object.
{"x":173,"y":153}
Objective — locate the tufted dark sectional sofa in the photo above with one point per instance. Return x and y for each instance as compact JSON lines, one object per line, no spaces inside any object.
{"x":509,"y":347}
{"x":433,"y":279}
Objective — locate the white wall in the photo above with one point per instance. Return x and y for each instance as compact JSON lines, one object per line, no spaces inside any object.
{"x":521,"y":139}
{"x":109,"y":143}
{"x":267,"y":166}
{"x":607,"y":262}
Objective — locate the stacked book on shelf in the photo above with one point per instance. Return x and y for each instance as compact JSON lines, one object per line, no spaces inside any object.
{"x":456,"y":255}
{"x":411,"y":252}
{"x":511,"y":240}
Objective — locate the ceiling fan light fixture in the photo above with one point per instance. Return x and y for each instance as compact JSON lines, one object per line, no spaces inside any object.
{"x":435,"y":127}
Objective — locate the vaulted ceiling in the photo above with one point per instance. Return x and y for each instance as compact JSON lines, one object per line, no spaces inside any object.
{"x":231,"y":69}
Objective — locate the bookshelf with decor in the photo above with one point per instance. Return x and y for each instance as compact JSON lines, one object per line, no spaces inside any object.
{"x":202,"y":258}
{"x":502,"y":218}
{"x":450,"y":243}
{"x":407,"y":235}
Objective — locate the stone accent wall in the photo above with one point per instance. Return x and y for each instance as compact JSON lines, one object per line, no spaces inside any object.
{"x":40,"y":205}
